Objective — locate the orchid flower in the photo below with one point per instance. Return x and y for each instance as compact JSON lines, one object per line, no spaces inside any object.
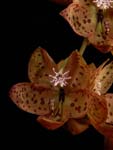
{"x":93,"y":20}
{"x":53,"y":90}
{"x":101,"y":79}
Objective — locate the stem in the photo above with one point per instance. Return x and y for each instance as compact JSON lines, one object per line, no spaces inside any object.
{"x":83,"y":46}
{"x":108,"y":144}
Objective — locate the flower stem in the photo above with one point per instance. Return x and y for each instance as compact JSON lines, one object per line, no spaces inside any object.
{"x":108,"y":144}
{"x":83,"y":46}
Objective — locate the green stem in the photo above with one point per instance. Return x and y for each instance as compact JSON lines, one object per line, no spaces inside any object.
{"x":83,"y":46}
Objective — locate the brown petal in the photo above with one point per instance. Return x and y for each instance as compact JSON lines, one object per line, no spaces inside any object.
{"x":40,"y":66}
{"x":97,"y":108}
{"x":78,"y":71}
{"x":82,"y":17}
{"x":76,"y":104}
{"x":76,"y":126}
{"x":33,"y":98}
{"x":49,"y":123}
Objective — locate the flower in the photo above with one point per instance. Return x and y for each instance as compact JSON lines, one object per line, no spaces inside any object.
{"x":100,"y":106}
{"x":54,"y":89}
{"x":92,"y":19}
{"x":104,"y":76}
{"x":66,"y":92}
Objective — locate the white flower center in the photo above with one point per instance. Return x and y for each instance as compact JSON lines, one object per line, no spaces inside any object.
{"x":104,"y":4}
{"x":59,"y":78}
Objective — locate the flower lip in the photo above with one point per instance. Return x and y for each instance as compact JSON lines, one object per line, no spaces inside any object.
{"x":104,"y":4}
{"x":59,"y":78}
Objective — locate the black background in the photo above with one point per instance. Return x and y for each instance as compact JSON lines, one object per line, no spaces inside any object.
{"x":27,"y":26}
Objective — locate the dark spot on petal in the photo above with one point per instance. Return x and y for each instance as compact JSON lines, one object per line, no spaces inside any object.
{"x":111,"y":113}
{"x":35,"y":101}
{"x":27,"y":102}
{"x":42,"y":102}
{"x":72,"y":104}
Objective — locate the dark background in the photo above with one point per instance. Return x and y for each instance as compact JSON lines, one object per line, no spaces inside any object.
{"x":26,"y":27}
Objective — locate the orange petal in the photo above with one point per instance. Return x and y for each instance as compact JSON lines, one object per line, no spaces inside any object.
{"x":101,"y":40}
{"x":82,"y":17}
{"x":78,"y":71}
{"x":49,"y":123}
{"x":76,"y":104}
{"x":33,"y":98}
{"x":105,"y":129}
{"x":40,"y":66}
{"x":77,"y":126}
{"x":97,"y":108}
{"x":109,"y":99}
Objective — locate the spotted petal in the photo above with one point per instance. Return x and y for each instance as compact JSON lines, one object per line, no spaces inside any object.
{"x":104,"y":78}
{"x":76,"y":104}
{"x":78,"y":70}
{"x":97,"y":108}
{"x":109,"y":99}
{"x":40,"y":66}
{"x":81,"y":16}
{"x":33,"y":98}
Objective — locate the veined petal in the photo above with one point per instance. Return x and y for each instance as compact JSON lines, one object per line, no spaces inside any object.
{"x":97,"y":108}
{"x":40,"y":66}
{"x":82,"y":16}
{"x":33,"y":98}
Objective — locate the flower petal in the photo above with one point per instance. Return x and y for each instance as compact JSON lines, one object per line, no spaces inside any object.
{"x":76,"y":104}
{"x":109,"y":99}
{"x":105,"y":129}
{"x":104,"y":78}
{"x":78,"y":71}
{"x":82,"y":17}
{"x":77,"y":126}
{"x":100,"y":39}
{"x":97,"y":108}
{"x":40,"y":66}
{"x":50,"y":123}
{"x":33,"y":98}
